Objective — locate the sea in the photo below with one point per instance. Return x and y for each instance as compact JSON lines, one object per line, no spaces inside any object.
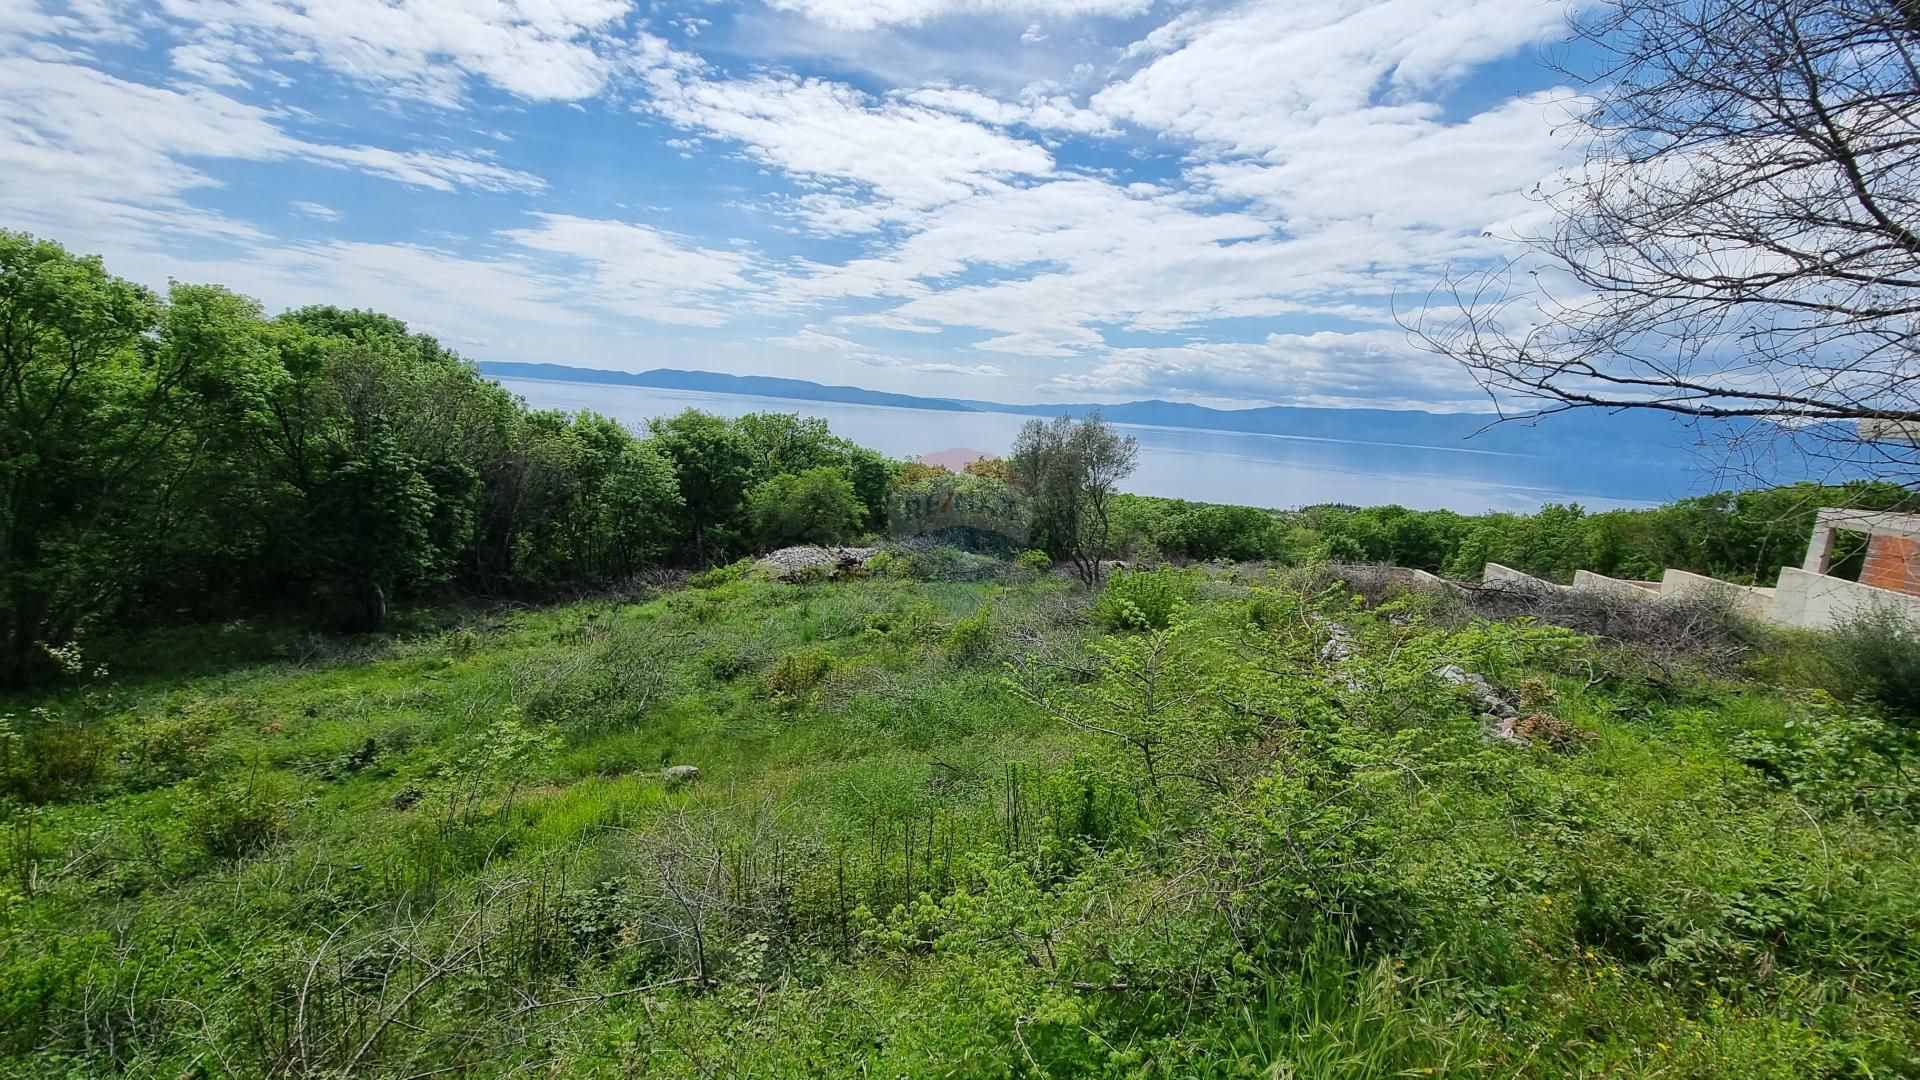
{"x":1274,"y":471}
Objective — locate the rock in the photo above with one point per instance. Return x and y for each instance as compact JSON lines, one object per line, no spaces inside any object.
{"x":1495,"y":712}
{"x":1338,"y":648}
{"x":680,"y":774}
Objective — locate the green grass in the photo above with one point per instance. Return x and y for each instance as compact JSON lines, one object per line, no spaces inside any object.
{"x":920,"y":845}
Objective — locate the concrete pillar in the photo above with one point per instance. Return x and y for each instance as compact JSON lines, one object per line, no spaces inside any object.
{"x":1819,"y":549}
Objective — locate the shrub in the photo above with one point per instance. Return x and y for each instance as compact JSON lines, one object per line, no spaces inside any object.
{"x":798,"y":673}
{"x":1837,"y":759}
{"x":234,"y":820}
{"x":971,"y":639}
{"x":722,"y":575}
{"x":1876,"y":652}
{"x":1038,"y":561}
{"x":888,"y":564}
{"x":61,"y":759}
{"x":1143,"y":599}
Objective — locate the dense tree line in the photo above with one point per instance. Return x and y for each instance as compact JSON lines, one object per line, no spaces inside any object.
{"x":190,"y":457}
{"x":1740,"y":536}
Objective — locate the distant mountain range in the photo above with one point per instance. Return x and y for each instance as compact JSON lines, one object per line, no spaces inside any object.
{"x":1636,"y":435}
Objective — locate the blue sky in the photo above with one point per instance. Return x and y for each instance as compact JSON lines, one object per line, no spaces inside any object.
{"x":1005,"y":199}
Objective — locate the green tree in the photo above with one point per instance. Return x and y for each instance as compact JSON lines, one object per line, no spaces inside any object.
{"x":89,"y":418}
{"x":787,"y":442}
{"x":1071,"y":468}
{"x":818,"y":506}
{"x":714,"y":465}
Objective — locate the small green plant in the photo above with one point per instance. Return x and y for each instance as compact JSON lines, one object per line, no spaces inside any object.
{"x":797,"y":674}
{"x":722,"y":575}
{"x":1144,"y":599}
{"x":887,"y":564}
{"x":971,"y":639}
{"x":239,"y":818}
{"x":1031,"y":559}
{"x":1876,"y":651}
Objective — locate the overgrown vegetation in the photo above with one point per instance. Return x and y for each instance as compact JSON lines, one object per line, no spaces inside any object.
{"x":1202,"y":823}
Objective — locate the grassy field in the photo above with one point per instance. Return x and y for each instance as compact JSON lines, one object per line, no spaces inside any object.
{"x":985,"y":829}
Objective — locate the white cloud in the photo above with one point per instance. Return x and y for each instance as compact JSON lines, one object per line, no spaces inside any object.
{"x":641,"y":271}
{"x":1323,"y":175}
{"x":869,"y":14}
{"x":541,"y":50}
{"x":1041,"y":112}
{"x":1405,"y":172}
{"x":1252,"y":79}
{"x":872,"y":158}
{"x":831,"y":340}
{"x":214,"y":62}
{"x":89,"y":153}
{"x":320,"y":211}
{"x":1297,"y":160}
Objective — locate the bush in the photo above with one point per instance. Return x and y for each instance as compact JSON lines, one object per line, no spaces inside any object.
{"x":1038,"y":561}
{"x":797,"y":674}
{"x":232,"y":821}
{"x":1837,"y":759}
{"x":1143,"y":599}
{"x":888,"y":564}
{"x":971,"y":639}
{"x":722,"y":575}
{"x":62,"y":759}
{"x":1876,"y":652}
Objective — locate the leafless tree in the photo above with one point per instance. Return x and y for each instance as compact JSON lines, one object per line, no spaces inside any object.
{"x":1740,"y":244}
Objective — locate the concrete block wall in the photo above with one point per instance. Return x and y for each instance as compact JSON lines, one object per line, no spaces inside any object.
{"x":1893,"y":563}
{"x":1818,"y":602}
{"x":1622,"y":587}
{"x":1495,"y":574}
{"x":1756,"y":601}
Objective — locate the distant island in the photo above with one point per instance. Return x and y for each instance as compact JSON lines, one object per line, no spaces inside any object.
{"x":1638,"y":435}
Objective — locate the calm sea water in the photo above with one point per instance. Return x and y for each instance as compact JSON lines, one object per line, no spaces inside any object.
{"x":1209,"y":466}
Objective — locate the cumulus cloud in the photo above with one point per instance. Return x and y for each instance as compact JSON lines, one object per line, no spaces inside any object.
{"x":541,"y":50}
{"x":639,"y":270}
{"x":88,"y":152}
{"x":870,"y":160}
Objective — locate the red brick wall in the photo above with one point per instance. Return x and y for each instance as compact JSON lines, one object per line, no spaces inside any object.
{"x":1893,"y":562}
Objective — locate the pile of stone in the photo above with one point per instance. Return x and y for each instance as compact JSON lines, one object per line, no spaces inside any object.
{"x":1496,"y":713}
{"x":796,"y":563}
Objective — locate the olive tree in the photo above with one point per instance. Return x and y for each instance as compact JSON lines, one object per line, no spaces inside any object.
{"x":1071,"y":468}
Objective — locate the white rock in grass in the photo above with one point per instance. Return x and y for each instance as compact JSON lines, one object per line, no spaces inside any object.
{"x":680,"y":774}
